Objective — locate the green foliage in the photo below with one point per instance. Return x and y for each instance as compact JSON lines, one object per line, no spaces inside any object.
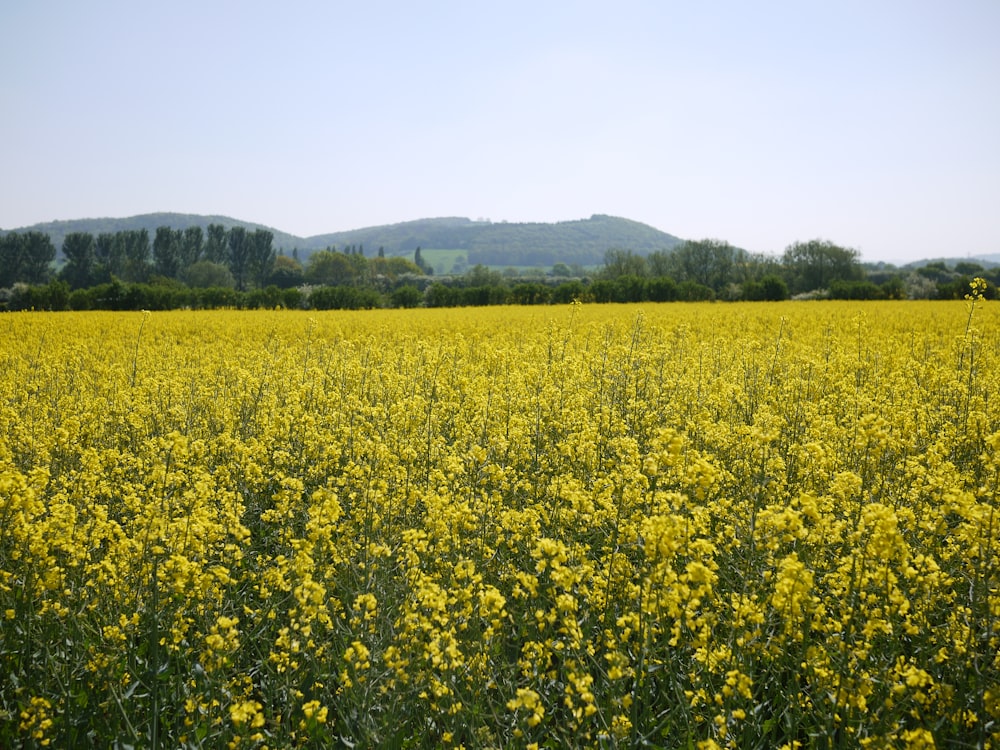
{"x":708,"y":263}
{"x":530,"y":294}
{"x":79,"y":250}
{"x":662,"y":289}
{"x":957,"y":288}
{"x":619,"y":262}
{"x":480,"y":276}
{"x":561,"y":269}
{"x":968,"y":268}
{"x":894,"y":288}
{"x":692,"y":291}
{"x":269,"y":298}
{"x":79,"y":299}
{"x":135,"y":251}
{"x":329,"y":267}
{"x":420,"y":262}
{"x":818,"y":263}
{"x":52,"y":296}
{"x":439,"y":295}
{"x":400,"y":266}
{"x":25,"y":258}
{"x":842,"y":289}
{"x":192,"y":245}
{"x":109,"y":256}
{"x":771,"y":288}
{"x":482,"y":296}
{"x":116,"y":271}
{"x":287,"y":273}
{"x":205,"y":274}
{"x":406,"y":296}
{"x":10,"y":259}
{"x":216,"y":244}
{"x":262,"y":256}
{"x":217,"y":297}
{"x":238,"y":258}
{"x":167,"y":244}
{"x":568,"y":292}
{"x":344,"y":298}
{"x":58,"y":230}
{"x":603,"y":290}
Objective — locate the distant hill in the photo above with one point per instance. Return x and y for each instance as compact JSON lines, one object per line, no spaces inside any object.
{"x":986,"y":261}
{"x":509,"y":244}
{"x":582,"y":242}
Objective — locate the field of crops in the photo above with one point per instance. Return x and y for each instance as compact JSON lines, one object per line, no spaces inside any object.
{"x":681,"y":526}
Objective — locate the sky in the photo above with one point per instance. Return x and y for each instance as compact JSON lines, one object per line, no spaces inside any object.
{"x":874,"y":124}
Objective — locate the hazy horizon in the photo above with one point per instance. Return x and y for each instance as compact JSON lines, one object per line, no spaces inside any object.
{"x":872,"y":125}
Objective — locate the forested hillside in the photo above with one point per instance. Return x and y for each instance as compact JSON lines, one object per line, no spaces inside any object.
{"x":583,"y":242}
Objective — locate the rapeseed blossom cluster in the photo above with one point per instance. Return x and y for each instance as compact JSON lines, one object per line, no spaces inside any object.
{"x":697,"y":526}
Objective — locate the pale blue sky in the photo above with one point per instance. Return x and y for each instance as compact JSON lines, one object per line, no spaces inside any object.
{"x":874,"y":124}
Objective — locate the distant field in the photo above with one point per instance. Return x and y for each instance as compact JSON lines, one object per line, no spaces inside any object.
{"x":443,"y":261}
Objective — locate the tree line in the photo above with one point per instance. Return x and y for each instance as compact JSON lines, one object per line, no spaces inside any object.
{"x":239,"y":268}
{"x":817,"y":269}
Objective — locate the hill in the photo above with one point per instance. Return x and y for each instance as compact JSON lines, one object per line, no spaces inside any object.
{"x":582,"y":242}
{"x":986,"y":261}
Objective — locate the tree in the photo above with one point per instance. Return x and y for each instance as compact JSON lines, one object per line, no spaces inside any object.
{"x":191,"y":247}
{"x":418,"y":259}
{"x":287,"y":273}
{"x":661,"y":288}
{"x":619,"y":262}
{"x":359,"y":265}
{"x":78,"y":247}
{"x":261,"y":260}
{"x":561,"y":269}
{"x":11,"y":250}
{"x":136,"y":255}
{"x":770,"y":288}
{"x":818,"y":263}
{"x":662,"y":263}
{"x":216,"y":244}
{"x":109,"y":256}
{"x":407,"y":296}
{"x":167,"y":252}
{"x":753,"y":267}
{"x":330,"y":268}
{"x":569,"y":291}
{"x":480,"y":275}
{"x":205,"y":274}
{"x":398,"y":265}
{"x":238,"y":258}
{"x":37,"y":254}
{"x":706,"y":262}
{"x":968,"y":268}
{"x":774,"y":287}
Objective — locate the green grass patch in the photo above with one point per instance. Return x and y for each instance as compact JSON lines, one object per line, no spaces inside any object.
{"x":445,"y":261}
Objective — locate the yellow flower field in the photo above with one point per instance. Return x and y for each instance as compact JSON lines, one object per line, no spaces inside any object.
{"x":679,"y":526}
